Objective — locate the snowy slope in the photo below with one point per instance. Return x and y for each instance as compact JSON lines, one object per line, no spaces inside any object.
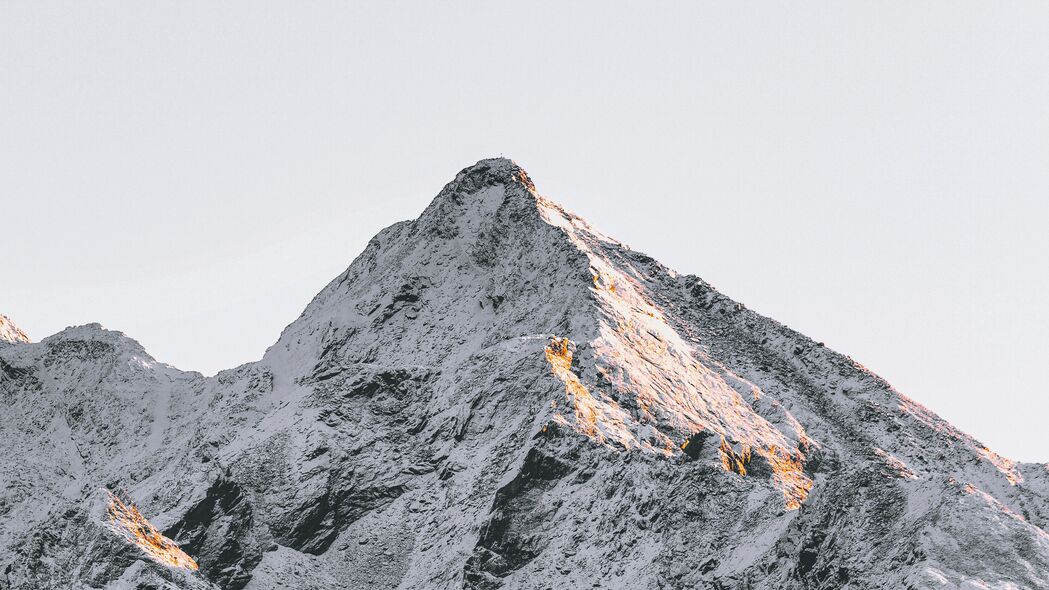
{"x":10,"y":333}
{"x":497,"y":395}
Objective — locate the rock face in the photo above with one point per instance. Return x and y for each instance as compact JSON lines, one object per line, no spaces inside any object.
{"x":496,"y":395}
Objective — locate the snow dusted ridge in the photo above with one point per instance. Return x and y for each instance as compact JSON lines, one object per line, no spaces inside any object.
{"x":496,"y":395}
{"x":10,"y":333}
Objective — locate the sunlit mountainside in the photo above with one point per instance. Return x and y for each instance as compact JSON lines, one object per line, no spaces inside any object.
{"x":497,"y":395}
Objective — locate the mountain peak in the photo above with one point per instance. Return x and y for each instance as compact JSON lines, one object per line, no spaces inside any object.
{"x":489,"y":172}
{"x":10,"y":333}
{"x":496,"y":395}
{"x":499,"y":164}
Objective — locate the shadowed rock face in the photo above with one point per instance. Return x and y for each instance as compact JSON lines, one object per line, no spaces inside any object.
{"x":508,"y":541}
{"x":496,"y":395}
{"x":219,"y":528}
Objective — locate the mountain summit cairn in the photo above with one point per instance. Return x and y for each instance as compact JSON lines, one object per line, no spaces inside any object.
{"x":497,"y":395}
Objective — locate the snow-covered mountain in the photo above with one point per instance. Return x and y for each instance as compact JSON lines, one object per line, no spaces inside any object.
{"x":497,"y":395}
{"x":10,"y":333}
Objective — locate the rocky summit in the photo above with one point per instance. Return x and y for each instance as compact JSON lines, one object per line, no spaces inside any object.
{"x":497,"y":395}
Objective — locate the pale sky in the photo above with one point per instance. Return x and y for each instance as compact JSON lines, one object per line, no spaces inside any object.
{"x":873,"y":174}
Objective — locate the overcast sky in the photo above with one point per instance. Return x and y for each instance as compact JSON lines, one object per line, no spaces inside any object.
{"x":872,"y":174}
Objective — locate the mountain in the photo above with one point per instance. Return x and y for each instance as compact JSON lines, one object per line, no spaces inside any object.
{"x":10,"y":333}
{"x":497,"y":395}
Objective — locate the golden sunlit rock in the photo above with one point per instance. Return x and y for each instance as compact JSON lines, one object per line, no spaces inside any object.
{"x":126,"y":521}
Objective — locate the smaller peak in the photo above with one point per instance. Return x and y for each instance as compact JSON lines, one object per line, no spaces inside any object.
{"x":92,"y":331}
{"x":95,"y":332}
{"x":10,"y":333}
